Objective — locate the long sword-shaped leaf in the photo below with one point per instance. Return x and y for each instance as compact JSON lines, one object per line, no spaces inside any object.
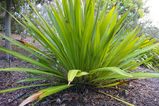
{"x":23,"y":46}
{"x":136,"y":75}
{"x":25,"y":58}
{"x":17,"y":88}
{"x":110,"y":69}
{"x":35,"y":71}
{"x":44,"y":93}
{"x":31,"y":80}
{"x":140,"y":51}
{"x":144,"y":75}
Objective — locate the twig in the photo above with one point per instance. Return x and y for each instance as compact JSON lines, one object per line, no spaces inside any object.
{"x":116,"y":98}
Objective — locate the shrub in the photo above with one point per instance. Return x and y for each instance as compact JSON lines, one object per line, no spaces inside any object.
{"x":81,"y":45}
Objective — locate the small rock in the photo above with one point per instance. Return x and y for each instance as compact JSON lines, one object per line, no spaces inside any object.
{"x":155,"y":99}
{"x":9,"y":100}
{"x":58,"y":101}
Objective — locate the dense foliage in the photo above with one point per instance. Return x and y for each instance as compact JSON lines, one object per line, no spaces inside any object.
{"x":81,"y":44}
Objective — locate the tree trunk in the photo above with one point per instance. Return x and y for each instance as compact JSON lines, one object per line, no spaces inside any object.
{"x":7,"y":26}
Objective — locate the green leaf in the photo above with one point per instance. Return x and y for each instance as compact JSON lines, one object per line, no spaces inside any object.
{"x":35,"y":51}
{"x":25,"y":58}
{"x":30,"y":80}
{"x":140,"y":51}
{"x":52,"y":90}
{"x":35,"y":71}
{"x":138,"y":75}
{"x":111,"y":69}
{"x":28,"y":59}
{"x":109,"y":85}
{"x":71,"y":75}
{"x":80,"y":74}
{"x":17,"y":88}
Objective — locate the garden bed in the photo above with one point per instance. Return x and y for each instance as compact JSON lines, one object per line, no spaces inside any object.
{"x":138,"y":92}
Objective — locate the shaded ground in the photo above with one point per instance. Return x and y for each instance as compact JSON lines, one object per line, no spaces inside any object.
{"x":138,"y":92}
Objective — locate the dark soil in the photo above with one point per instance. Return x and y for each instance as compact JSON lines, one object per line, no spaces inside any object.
{"x":143,"y":92}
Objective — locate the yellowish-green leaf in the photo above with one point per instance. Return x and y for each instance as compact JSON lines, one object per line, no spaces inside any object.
{"x":71,"y":75}
{"x":80,"y":74}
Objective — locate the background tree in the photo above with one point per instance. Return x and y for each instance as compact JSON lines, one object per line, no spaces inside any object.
{"x":15,"y":7}
{"x":7,"y":22}
{"x":135,"y":7}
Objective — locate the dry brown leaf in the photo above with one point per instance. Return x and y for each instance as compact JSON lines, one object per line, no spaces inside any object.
{"x":31,"y":98}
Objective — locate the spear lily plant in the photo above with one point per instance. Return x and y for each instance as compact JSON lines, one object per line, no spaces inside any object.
{"x":81,"y":44}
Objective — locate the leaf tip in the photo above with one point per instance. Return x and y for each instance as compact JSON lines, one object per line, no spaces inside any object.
{"x":31,"y":98}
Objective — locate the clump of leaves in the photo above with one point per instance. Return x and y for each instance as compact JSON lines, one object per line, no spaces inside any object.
{"x":151,"y":58}
{"x":82,"y":44}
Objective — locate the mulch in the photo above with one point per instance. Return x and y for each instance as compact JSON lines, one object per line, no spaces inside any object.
{"x":143,"y":92}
